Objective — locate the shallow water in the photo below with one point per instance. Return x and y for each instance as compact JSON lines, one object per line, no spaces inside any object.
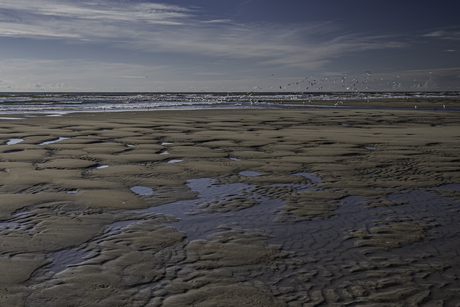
{"x":175,"y":161}
{"x":62,"y":259}
{"x":5,"y":225}
{"x":315,"y":238}
{"x":122,"y":224}
{"x":14,"y":141}
{"x":452,"y":187}
{"x":54,"y":141}
{"x":142,"y":190}
{"x":249,"y":173}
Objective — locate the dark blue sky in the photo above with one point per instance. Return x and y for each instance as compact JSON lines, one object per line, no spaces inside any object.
{"x":238,"y":45}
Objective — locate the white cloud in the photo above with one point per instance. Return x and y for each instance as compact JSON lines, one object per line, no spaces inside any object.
{"x":447,"y":33}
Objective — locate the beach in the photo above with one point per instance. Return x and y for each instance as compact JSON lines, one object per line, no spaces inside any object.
{"x":231,"y":207}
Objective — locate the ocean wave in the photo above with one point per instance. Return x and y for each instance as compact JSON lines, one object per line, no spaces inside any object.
{"x":86,"y":102}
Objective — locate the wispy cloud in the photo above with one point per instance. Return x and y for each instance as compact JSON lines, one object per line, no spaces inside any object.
{"x":155,"y":27}
{"x":450,"y":33}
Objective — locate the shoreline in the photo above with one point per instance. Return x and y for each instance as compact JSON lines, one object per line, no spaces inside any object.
{"x":423,"y":103}
{"x":67,"y":184}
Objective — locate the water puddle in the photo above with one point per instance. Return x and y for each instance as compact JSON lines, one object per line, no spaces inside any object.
{"x":72,"y":192}
{"x":14,"y":141}
{"x":201,"y":225}
{"x":303,"y":236}
{"x":142,"y":190}
{"x":122,"y":224}
{"x":166,"y":143}
{"x":346,"y":125}
{"x":235,"y":159}
{"x":249,"y":173}
{"x":309,"y":176}
{"x":7,"y":225}
{"x":371,"y":148}
{"x":102,"y":166}
{"x":53,"y":141}
{"x":21,"y":213}
{"x":175,"y":161}
{"x":65,"y":258}
{"x":448,"y":187}
{"x":129,"y":145}
{"x":164,"y":152}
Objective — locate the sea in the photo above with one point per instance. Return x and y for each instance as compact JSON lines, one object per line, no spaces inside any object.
{"x":63,"y":103}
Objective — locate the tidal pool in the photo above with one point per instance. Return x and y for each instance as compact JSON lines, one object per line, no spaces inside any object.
{"x":102,"y":166}
{"x":142,"y":190}
{"x":249,"y":173}
{"x":5,"y":225}
{"x":14,"y":141}
{"x":53,"y":141}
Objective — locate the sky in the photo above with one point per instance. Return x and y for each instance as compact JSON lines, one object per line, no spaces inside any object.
{"x":229,"y":45}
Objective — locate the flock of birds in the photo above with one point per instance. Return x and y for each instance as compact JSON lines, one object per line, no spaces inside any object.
{"x":344,"y":84}
{"x":347,"y":84}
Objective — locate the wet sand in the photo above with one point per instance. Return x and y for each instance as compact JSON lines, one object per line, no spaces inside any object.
{"x":284,"y":207}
